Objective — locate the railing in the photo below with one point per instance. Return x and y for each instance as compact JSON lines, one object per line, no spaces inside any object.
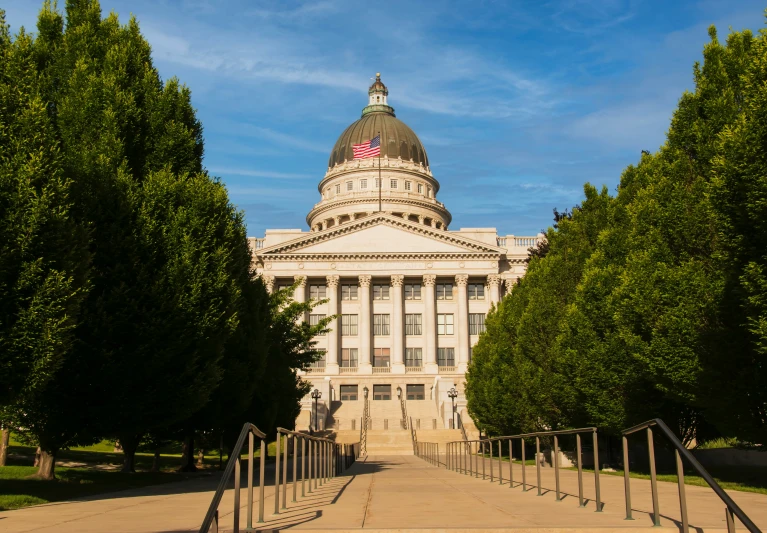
{"x":381,"y":370}
{"x":429,"y":452}
{"x":463,"y":429}
{"x":364,"y":422}
{"x":680,"y":452}
{"x":409,"y":369}
{"x":413,"y":436}
{"x":447,"y":369}
{"x":403,"y":405}
{"x":461,"y":455}
{"x":348,"y":370}
{"x":326,"y":460}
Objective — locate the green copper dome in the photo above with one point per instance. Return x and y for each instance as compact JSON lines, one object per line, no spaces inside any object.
{"x":397,"y":139}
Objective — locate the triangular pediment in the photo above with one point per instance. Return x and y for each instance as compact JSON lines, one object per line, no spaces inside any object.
{"x":381,"y":234}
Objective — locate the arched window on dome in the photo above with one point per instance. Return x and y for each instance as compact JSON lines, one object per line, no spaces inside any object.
{"x":378,"y":99}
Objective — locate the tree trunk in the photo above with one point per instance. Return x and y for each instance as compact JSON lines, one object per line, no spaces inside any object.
{"x":187,"y":455}
{"x":37,"y":457}
{"x":156,"y":461}
{"x":5,"y":440}
{"x":47,"y":468}
{"x":200,"y":457}
{"x":129,"y":444}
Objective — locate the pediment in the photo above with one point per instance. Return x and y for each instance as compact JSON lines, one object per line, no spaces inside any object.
{"x":381,"y":234}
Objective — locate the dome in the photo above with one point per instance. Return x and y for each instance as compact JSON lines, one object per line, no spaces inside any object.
{"x":397,"y":139}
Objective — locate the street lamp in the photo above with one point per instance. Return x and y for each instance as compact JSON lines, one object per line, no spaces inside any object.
{"x":316,"y":395}
{"x":399,"y":393}
{"x":453,"y":394}
{"x":365,"y":391}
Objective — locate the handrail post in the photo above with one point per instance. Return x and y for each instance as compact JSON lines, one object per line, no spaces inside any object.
{"x":729,"y":519}
{"x":538,"y":462}
{"x":682,"y":497}
{"x":236,"y":515}
{"x":626,"y":480}
{"x":482,"y":446}
{"x":596,"y":472}
{"x":285,"y":473}
{"x":262,"y":481}
{"x":303,"y":466}
{"x":490,"y":445}
{"x":500,"y":464}
{"x":524,"y":477}
{"x":294,"y":439}
{"x":653,"y":477}
{"x":579,"y":456}
{"x":249,"y":518}
{"x":311,"y":463}
{"x":556,"y":467}
{"x":277,"y":475}
{"x":511,"y":471}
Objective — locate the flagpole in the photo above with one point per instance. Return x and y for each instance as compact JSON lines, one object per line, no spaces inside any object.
{"x":380,"y":181}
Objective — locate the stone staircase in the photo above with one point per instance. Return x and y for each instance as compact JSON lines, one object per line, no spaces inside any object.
{"x":386,"y":415}
{"x":389,"y":442}
{"x":439,"y":436}
{"x":424,"y":414}
{"x":343,"y":416}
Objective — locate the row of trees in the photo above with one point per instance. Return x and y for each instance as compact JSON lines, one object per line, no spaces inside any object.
{"x":128,"y":305}
{"x":651,"y":303}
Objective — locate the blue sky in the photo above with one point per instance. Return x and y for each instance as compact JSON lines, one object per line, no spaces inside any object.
{"x":517,"y":103}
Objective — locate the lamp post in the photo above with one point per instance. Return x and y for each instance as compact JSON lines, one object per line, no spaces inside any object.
{"x":365,"y":390}
{"x":399,"y":393}
{"x":453,"y":394}
{"x":316,"y":395}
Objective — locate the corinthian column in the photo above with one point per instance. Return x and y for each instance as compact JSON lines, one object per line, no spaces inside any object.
{"x":364,"y":366}
{"x":463,"y":322}
{"x":430,"y":323}
{"x":397,"y":333}
{"x":331,"y":360}
{"x":494,"y":281}
{"x":300,"y":294}
{"x":269,"y":282}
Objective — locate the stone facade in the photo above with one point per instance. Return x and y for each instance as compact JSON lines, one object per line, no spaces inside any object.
{"x":410,"y":295}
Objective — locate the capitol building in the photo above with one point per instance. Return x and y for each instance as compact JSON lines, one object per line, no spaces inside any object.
{"x":410,"y":294}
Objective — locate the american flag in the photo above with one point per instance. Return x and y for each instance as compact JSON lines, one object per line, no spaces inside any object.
{"x":369,"y":148}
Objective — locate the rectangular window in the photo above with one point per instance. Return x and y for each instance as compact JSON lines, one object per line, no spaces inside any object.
{"x":476,"y":323}
{"x":315,"y":319}
{"x":320,"y":363}
{"x":348,"y":292}
{"x":381,"y":357}
{"x":348,"y":325}
{"x":476,"y":291}
{"x":382,"y":392}
{"x":413,"y":324}
{"x":420,"y":188}
{"x":393,"y":184}
{"x":413,"y":356}
{"x":408,"y":185}
{"x":363,"y":184}
{"x":349,"y":392}
{"x":444,"y":324}
{"x":380,"y":324}
{"x":349,"y":186}
{"x":380,"y":292}
{"x":444,"y":291}
{"x":378,"y":183}
{"x":415,"y":392}
{"x":413,"y":291}
{"x":446,"y":356}
{"x":317,"y":292}
{"x":338,"y":188}
{"x":349,"y":357}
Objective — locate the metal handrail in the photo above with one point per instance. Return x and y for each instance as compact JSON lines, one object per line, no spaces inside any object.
{"x":364,"y":428}
{"x":233,"y":467}
{"x":463,"y":429}
{"x":679,"y":452}
{"x":413,"y":436}
{"x":429,"y":452}
{"x":403,"y":405}
{"x":460,"y":454}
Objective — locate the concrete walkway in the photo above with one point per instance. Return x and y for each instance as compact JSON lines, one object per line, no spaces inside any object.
{"x":396,"y":493}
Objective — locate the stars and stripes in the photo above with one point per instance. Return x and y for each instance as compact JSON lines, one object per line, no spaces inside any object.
{"x":371,"y":148}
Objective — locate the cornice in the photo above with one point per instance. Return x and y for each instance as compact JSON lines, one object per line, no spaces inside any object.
{"x":321,"y":207}
{"x":284,"y":257}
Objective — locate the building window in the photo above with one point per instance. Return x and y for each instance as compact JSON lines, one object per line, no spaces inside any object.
{"x":349,"y":358}
{"x":415,"y":392}
{"x":349,"y":186}
{"x":338,"y":188}
{"x":408,"y":185}
{"x":348,"y":292}
{"x":317,"y":292}
{"x":380,"y":324}
{"x":393,"y":184}
{"x":413,"y":324}
{"x":380,"y":357}
{"x":363,"y":184}
{"x":444,"y":324}
{"x":413,"y":291}
{"x":413,"y":356}
{"x":314,"y":320}
{"x":378,"y":183}
{"x":476,"y":323}
{"x":428,"y":192}
{"x":420,"y":188}
{"x":382,"y":392}
{"x":348,"y":325}
{"x":444,"y":291}
{"x":380,"y":292}
{"x":349,"y":392}
{"x":446,"y":356}
{"x":320,"y":363}
{"x":476,"y":291}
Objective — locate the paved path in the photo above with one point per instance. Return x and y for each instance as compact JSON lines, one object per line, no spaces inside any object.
{"x":397,"y":493}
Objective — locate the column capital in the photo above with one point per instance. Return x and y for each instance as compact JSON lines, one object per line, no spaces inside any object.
{"x":429,"y":279}
{"x":509,"y":283}
{"x":333,"y":280}
{"x":493,"y":280}
{"x":365,"y":280}
{"x":461,"y":279}
{"x":301,"y":280}
{"x":397,"y":280}
{"x":269,"y":281}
